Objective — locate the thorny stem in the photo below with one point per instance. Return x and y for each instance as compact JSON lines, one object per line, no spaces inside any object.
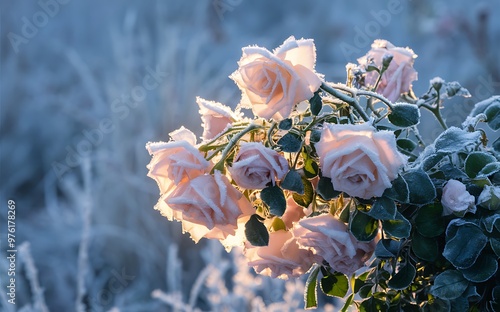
{"x":344,"y":97}
{"x":269,"y":134}
{"x":436,"y":111}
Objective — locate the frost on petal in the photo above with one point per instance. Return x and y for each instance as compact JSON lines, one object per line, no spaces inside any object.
{"x":183,"y":134}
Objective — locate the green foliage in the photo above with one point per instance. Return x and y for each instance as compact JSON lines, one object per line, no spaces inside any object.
{"x":290,"y":143}
{"x":363,"y":227}
{"x":311,"y":294}
{"x":286,"y":124}
{"x":307,"y":197}
{"x":256,"y":232}
{"x":399,"y":227}
{"x":454,"y":139}
{"x":463,"y":255}
{"x":273,"y":197}
{"x":325,"y":189}
{"x":428,"y":220}
{"x":403,"y":278}
{"x":449,"y":285}
{"x":293,"y":182}
{"x":404,"y":115}
{"x":476,"y":161}
{"x":383,"y":209}
{"x":493,"y":116}
{"x":335,"y":285}
{"x":316,"y":104}
{"x":420,"y":186}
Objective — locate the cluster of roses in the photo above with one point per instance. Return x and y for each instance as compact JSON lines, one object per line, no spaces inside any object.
{"x":214,"y":187}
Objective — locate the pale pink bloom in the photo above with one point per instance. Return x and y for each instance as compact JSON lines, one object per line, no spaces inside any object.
{"x":330,"y":240}
{"x":456,"y":198}
{"x":293,"y":212}
{"x":216,"y":117}
{"x":360,"y":161}
{"x":400,"y":74}
{"x":256,"y":165}
{"x":282,"y":257}
{"x":176,"y":161}
{"x":272,"y":83}
{"x":210,"y":207}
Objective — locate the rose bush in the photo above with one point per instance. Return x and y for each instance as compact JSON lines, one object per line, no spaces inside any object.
{"x":359,"y":160}
{"x":342,"y":186}
{"x":273,"y":83}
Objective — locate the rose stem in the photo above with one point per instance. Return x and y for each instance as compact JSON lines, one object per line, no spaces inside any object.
{"x":349,"y":100}
{"x":230,"y":145}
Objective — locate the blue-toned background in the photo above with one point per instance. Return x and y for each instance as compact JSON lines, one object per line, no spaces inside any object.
{"x":85,"y":84}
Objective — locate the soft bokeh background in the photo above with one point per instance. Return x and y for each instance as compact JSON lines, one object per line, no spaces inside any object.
{"x":74,"y":123}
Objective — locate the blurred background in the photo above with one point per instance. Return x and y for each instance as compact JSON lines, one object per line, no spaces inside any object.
{"x":84,"y":85}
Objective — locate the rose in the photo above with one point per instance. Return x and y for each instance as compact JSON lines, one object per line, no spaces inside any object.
{"x":281,"y":258}
{"x":360,"y":161}
{"x":255,"y":166}
{"x":456,"y":199}
{"x":398,"y":77}
{"x":273,"y":83}
{"x":216,"y":117}
{"x":175,"y":161}
{"x":208,"y":206}
{"x":330,"y":240}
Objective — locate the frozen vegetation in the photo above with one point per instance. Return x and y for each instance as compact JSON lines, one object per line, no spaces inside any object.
{"x":84,"y":89}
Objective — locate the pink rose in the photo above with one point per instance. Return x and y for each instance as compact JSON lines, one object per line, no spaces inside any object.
{"x":176,"y":161}
{"x":281,"y":258}
{"x":360,"y":161}
{"x":273,"y":83}
{"x":330,"y":240}
{"x":400,"y":74}
{"x":293,"y":212}
{"x":210,"y":201}
{"x":216,"y":117}
{"x":456,"y":199}
{"x":256,"y":165}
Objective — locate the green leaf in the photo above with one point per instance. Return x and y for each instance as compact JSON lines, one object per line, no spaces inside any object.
{"x":399,"y":191}
{"x":432,"y":160}
{"x":493,"y":115}
{"x":373,"y":305}
{"x":404,"y":115}
{"x":383,"y":209}
{"x":316,"y":104}
{"x":325,"y":189}
{"x":492,"y":222}
{"x":406,"y":144}
{"x":489,"y":169}
{"x":428,"y":221}
{"x":403,"y":278}
{"x":310,"y":294}
{"x":305,"y":199}
{"x":256,"y":232}
{"x":490,"y":199}
{"x":482,"y":106}
{"x":363,"y":227}
{"x":449,"y":285}
{"x":485,"y":267}
{"x":454,"y":139}
{"x":476,"y":161}
{"x":400,"y":227}
{"x":496,"y":145}
{"x":285,"y":124}
{"x":460,"y":304}
{"x":273,"y":197}
{"x":311,"y":168}
{"x":495,"y":245}
{"x":293,"y":182}
{"x":437,"y":305}
{"x":422,"y":190}
{"x":387,"y":248}
{"x":463,"y":255}
{"x":335,"y":285}
{"x":425,"y":248}
{"x":347,"y":303}
{"x":290,"y":143}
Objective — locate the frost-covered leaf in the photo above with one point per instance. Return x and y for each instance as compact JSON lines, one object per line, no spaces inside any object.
{"x":400,"y":227}
{"x":485,"y":267}
{"x":273,"y":197}
{"x":420,"y":186}
{"x":462,"y":255}
{"x":476,"y":161}
{"x":449,"y":285}
{"x":325,"y":189}
{"x":383,"y":209}
{"x":387,"y":248}
{"x":335,"y":285}
{"x":290,"y":143}
{"x":493,"y":115}
{"x":285,"y":124}
{"x":425,"y":248}
{"x":307,"y":197}
{"x":454,"y":139}
{"x":310,"y":293}
{"x":404,"y":115}
{"x":316,"y":104}
{"x":399,"y":191}
{"x":428,"y":221}
{"x":293,"y":182}
{"x":481,"y":107}
{"x":363,"y":227}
